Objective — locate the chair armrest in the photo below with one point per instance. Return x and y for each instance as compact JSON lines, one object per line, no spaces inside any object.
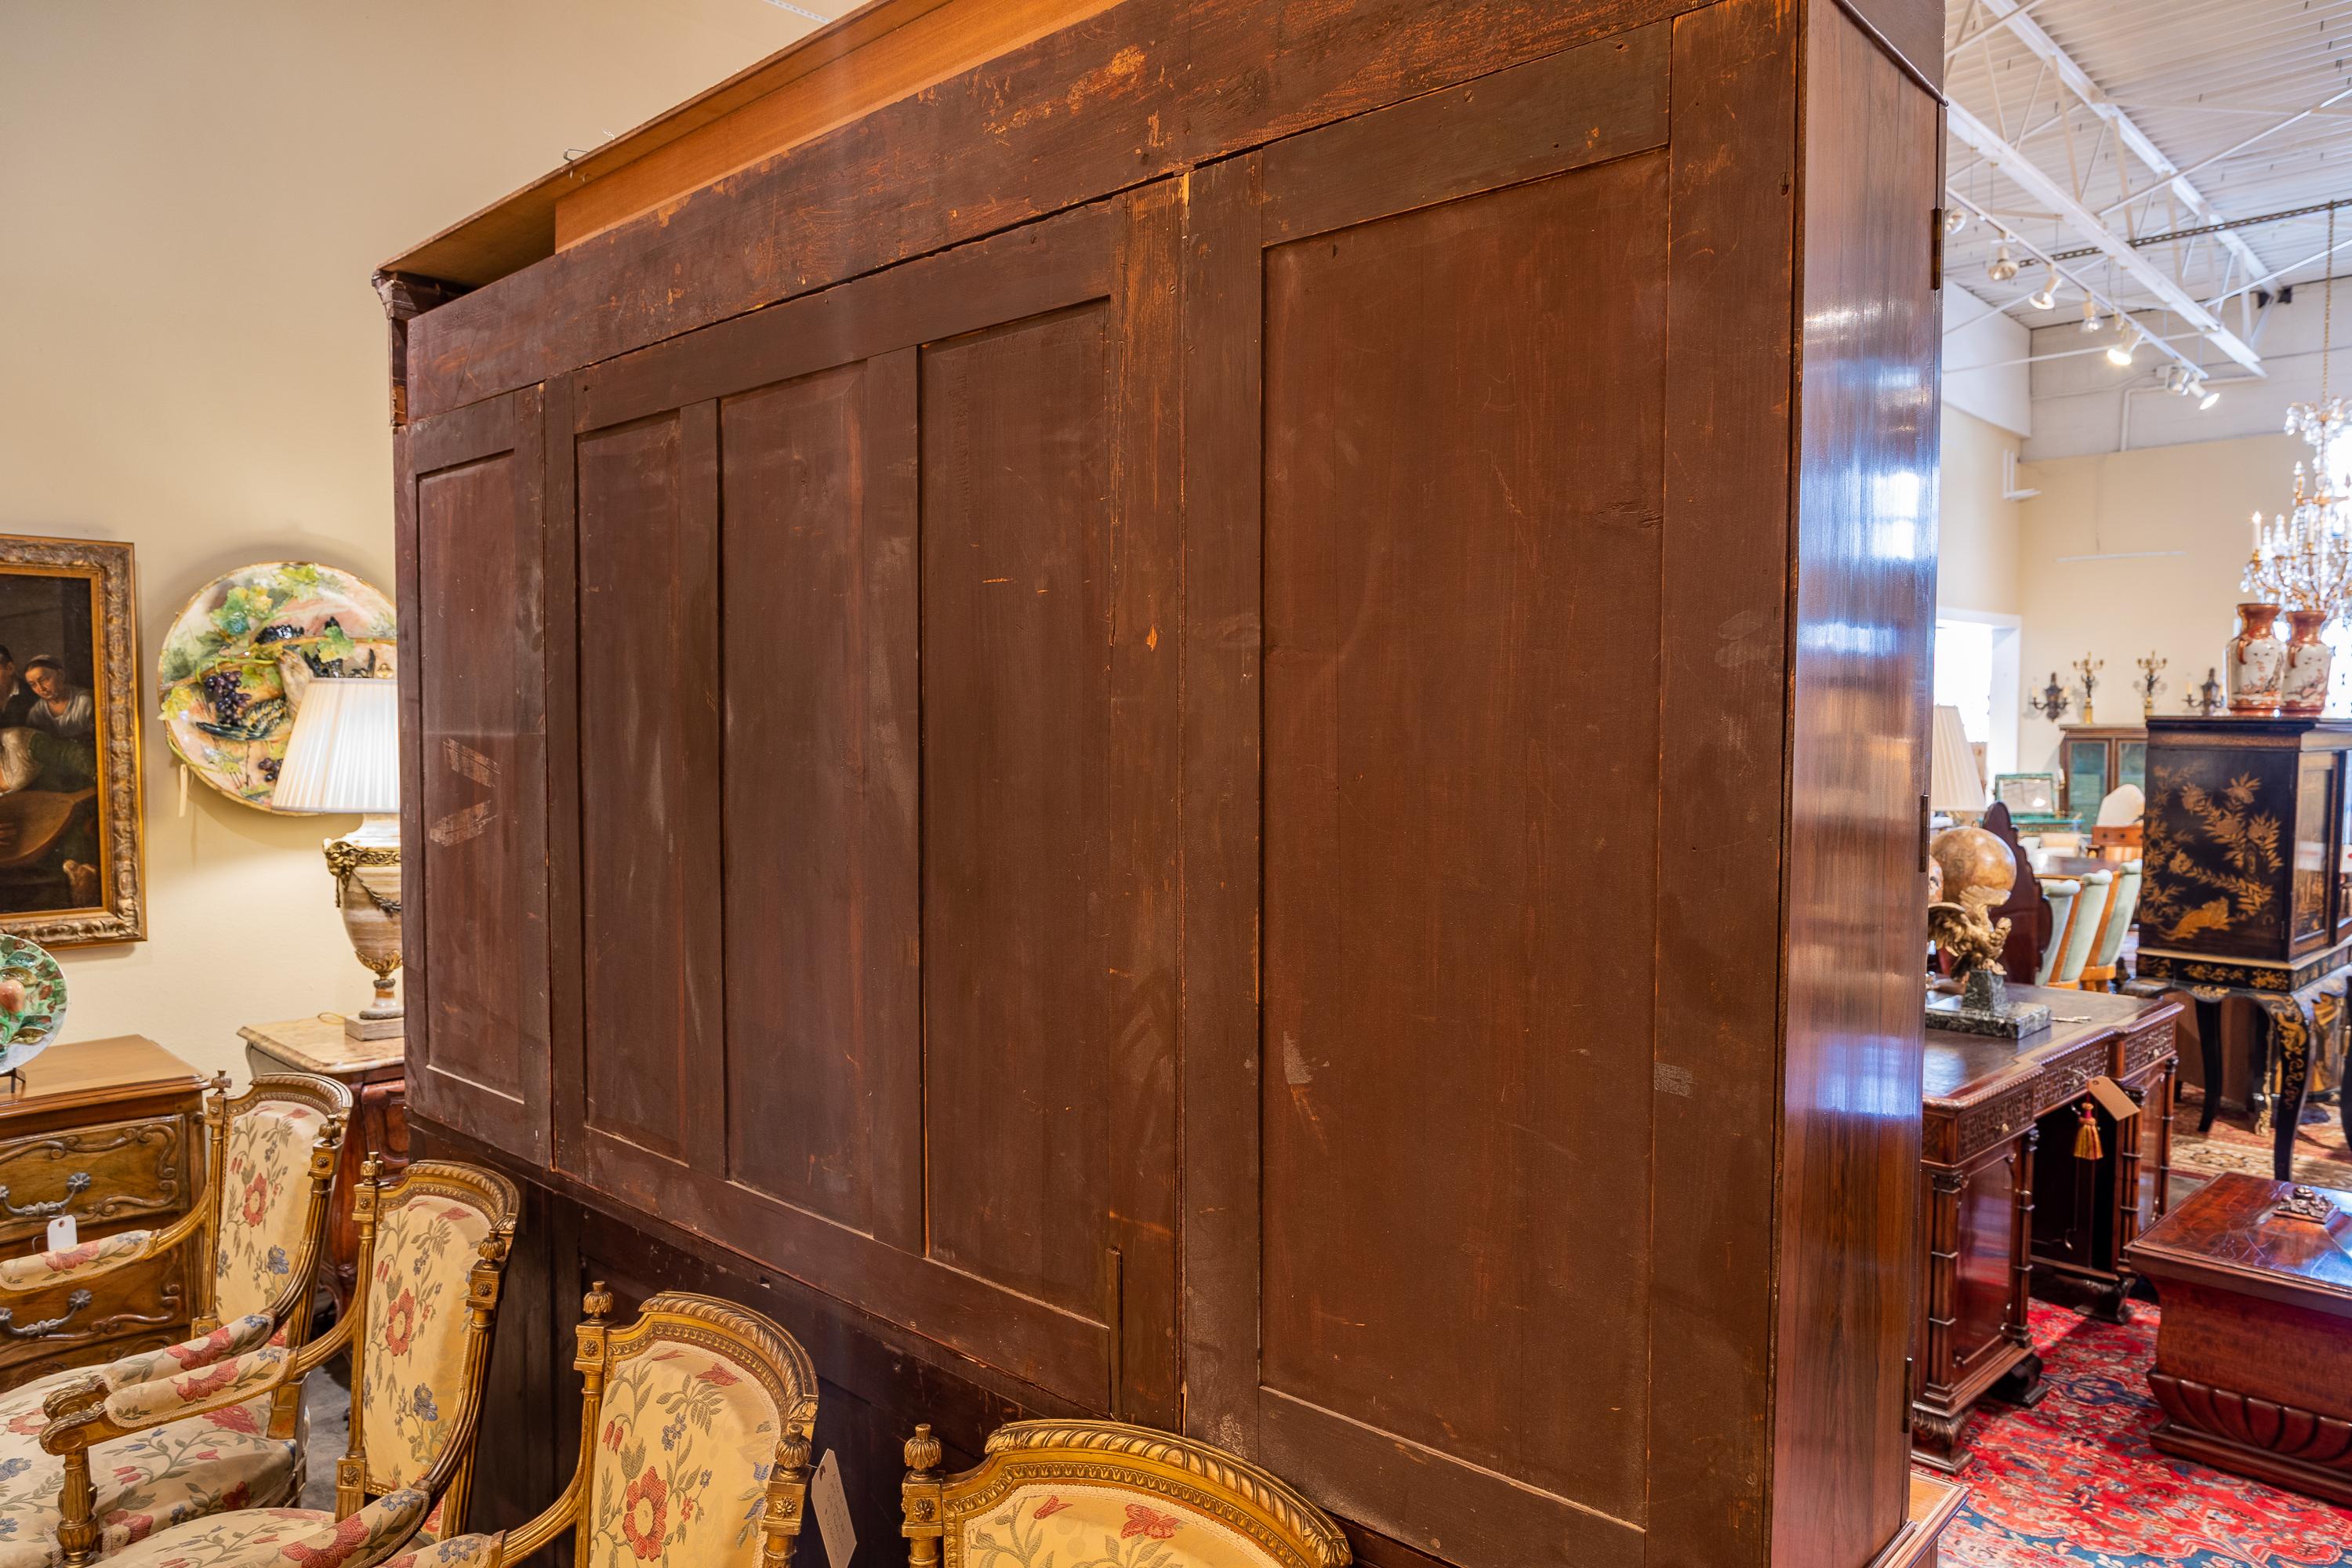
{"x":325,"y":1347}
{"x":69,"y":1265}
{"x":87,"y":1412}
{"x":371,"y":1535}
{"x":92,"y":1258}
{"x":249,"y":1333}
{"x":525,"y":1538}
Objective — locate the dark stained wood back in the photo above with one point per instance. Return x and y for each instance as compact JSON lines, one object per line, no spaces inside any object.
{"x":1280,"y":801}
{"x":471,"y":518}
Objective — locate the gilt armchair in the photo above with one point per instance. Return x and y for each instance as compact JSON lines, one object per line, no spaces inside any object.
{"x":259,"y":1227}
{"x":432,"y":1253}
{"x":1103,"y":1491}
{"x":695,"y":1423}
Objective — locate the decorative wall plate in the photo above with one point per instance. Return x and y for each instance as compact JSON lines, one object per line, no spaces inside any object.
{"x":32,"y":1001}
{"x":239,"y":655}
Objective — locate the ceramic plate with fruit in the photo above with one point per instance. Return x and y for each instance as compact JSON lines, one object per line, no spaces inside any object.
{"x":32,"y":1001}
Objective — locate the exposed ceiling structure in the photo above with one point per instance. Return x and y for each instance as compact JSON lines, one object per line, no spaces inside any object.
{"x":2123,"y":149}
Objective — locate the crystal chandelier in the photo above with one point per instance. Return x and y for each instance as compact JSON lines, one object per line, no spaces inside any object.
{"x":2303,"y":559}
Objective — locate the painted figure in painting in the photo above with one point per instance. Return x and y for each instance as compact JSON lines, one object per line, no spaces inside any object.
{"x":49,"y":827}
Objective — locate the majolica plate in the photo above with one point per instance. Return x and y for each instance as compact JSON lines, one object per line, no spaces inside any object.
{"x":32,"y":1001}
{"x":239,"y":655}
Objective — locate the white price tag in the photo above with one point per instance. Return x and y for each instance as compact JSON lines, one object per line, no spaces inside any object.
{"x":831,"y":1506}
{"x":61,"y":1233}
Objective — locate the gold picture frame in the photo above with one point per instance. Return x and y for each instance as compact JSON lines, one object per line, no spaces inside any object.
{"x":73,"y":867}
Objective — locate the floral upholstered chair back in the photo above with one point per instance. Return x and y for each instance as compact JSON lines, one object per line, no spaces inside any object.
{"x":699,"y":1415}
{"x":1074,"y":1492}
{"x":269,"y":1230}
{"x":433,"y":1247}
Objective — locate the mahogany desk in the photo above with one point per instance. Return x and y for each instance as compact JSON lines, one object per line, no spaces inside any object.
{"x":2008,"y":1206}
{"x":2253,"y":1356}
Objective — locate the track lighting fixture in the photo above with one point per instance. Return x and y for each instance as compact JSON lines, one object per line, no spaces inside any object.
{"x":2090,"y":314}
{"x":1955,"y":219}
{"x":2046,"y":297}
{"x":2003,"y":265}
{"x":2206,"y":396}
{"x":2120,"y":352}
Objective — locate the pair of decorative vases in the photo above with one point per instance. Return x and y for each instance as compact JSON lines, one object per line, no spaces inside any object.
{"x":2267,"y":676}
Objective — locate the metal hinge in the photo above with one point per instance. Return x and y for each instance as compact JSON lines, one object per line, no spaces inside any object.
{"x":1936,"y":249}
{"x":1925,"y":814}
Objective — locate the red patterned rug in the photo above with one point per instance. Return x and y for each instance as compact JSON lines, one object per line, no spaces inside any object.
{"x":2073,"y":1483}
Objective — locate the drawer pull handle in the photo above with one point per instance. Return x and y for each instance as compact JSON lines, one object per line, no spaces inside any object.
{"x":74,"y":1303}
{"x":76,"y":1184}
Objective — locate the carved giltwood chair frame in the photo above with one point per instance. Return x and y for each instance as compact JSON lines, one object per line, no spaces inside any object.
{"x":744,"y":1344}
{"x":1163,"y":1472}
{"x":88,"y":1412}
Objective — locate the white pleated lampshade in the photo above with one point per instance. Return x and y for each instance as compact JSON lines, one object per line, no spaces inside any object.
{"x":345,"y":752}
{"x":1953,"y":783}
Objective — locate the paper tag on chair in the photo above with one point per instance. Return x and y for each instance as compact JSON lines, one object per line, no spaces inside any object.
{"x":61,"y":1233}
{"x":831,"y":1505}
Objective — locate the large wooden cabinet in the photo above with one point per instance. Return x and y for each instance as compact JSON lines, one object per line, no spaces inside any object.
{"x":1223,"y":724}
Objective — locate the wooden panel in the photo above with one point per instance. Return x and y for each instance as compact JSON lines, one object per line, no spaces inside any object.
{"x":916,"y":952}
{"x":1016,"y":753}
{"x":1864,"y":602}
{"x":1411,"y":827}
{"x":1461,"y":729}
{"x":1724,"y":685}
{"x":822,"y":1102}
{"x":648,"y":552}
{"x":1141,"y":89}
{"x":476,"y":773}
{"x":1985,"y":1280}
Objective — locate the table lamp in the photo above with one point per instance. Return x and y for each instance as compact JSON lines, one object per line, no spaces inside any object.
{"x":1954,"y":785}
{"x":344,"y":756}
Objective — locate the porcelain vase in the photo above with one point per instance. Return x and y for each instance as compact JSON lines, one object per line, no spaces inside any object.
{"x":2256,"y":662}
{"x":2303,"y":689}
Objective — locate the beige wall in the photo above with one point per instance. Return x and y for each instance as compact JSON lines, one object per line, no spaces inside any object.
{"x":1977,"y":538}
{"x":191,"y":358}
{"x":2193,"y":499}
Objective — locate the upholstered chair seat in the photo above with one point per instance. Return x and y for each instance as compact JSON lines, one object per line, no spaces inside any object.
{"x":432,"y":1250}
{"x":262,"y":1219}
{"x":1102,"y":1491}
{"x":695,"y":1423}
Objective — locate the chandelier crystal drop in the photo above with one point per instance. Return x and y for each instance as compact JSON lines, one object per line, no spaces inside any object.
{"x":2302,"y":559}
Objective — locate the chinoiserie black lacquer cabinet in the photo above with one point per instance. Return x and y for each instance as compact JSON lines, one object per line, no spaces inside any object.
{"x":1220,"y":719}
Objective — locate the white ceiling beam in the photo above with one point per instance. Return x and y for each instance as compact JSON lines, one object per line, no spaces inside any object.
{"x":2042,"y":187}
{"x":2078,"y":81}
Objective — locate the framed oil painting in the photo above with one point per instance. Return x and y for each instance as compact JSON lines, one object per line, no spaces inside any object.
{"x":71,"y":862}
{"x":239,"y":655}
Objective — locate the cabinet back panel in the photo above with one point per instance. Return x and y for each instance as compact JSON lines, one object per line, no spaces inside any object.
{"x":1463,"y":489}
{"x":822,"y":1012}
{"x":484,"y":765}
{"x":649,"y":789}
{"x":1016,"y":738}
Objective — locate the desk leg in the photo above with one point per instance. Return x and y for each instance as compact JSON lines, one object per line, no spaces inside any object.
{"x":2293,"y":1030}
{"x":2023,"y":1384}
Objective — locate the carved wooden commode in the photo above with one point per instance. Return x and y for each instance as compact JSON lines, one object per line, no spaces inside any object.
{"x":2006,"y":1205}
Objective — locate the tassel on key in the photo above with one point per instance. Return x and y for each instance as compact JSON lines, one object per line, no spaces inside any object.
{"x":2086,"y":1137}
